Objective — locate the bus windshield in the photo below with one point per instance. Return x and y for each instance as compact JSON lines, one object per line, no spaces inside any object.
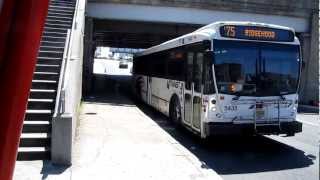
{"x":256,"y":69}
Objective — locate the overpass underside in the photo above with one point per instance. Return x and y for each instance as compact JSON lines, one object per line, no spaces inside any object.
{"x":125,"y":34}
{"x":135,"y":34}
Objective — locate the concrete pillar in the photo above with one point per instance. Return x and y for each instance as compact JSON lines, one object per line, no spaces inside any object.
{"x":305,"y":50}
{"x":312,"y":74}
{"x":88,"y":57}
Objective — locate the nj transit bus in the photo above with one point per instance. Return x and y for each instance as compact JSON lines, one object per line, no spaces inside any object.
{"x":225,"y":78}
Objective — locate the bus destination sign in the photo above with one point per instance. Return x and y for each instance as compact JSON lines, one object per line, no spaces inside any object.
{"x":256,"y":33}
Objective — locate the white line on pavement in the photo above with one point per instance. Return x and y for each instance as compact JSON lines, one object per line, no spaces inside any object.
{"x":309,"y":123}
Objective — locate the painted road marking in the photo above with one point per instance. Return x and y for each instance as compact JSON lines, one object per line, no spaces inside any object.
{"x":309,"y":123}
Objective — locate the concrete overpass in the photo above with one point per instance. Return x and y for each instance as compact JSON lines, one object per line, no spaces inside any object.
{"x":142,"y":23}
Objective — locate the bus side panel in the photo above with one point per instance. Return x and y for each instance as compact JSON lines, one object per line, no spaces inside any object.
{"x":159,"y":94}
{"x":163,"y":90}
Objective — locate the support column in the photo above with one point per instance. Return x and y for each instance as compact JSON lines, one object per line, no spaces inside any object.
{"x":88,"y":57}
{"x":312,"y":82}
{"x":305,"y":50}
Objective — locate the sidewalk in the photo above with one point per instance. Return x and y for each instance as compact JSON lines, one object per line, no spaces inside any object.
{"x":115,"y":140}
{"x":118,"y":141}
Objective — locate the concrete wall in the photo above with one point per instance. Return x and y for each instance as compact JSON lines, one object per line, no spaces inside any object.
{"x":310,"y":73}
{"x":145,"y":13}
{"x":298,"y":8}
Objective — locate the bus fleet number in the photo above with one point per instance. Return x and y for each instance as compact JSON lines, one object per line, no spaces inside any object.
{"x":230,"y":108}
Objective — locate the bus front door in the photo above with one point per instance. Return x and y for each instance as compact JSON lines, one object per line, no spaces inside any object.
{"x":197,"y":91}
{"x":193,"y":90}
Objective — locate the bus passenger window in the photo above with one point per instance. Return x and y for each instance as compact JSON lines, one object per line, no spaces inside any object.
{"x":175,"y":65}
{"x":189,"y":70}
{"x":197,"y":76}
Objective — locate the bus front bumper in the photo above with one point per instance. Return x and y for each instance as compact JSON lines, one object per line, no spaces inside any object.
{"x":218,"y":128}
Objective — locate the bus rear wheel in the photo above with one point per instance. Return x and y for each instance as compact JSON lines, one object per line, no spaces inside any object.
{"x":175,"y":111}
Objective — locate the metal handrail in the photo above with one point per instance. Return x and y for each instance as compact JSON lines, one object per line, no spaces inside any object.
{"x":73,"y":27}
{"x":62,"y":75}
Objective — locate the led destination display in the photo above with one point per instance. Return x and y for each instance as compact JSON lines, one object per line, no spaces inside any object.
{"x":256,"y":33}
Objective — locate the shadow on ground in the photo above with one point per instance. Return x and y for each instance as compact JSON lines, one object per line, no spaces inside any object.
{"x":50,"y":169}
{"x":234,"y":154}
{"x":110,"y":90}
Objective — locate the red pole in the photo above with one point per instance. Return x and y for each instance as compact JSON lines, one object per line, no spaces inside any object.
{"x":21,"y":25}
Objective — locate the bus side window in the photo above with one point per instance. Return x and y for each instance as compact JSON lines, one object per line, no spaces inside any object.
{"x":207,"y":74}
{"x":197,"y":76}
{"x":175,"y":65}
{"x":189,"y":70}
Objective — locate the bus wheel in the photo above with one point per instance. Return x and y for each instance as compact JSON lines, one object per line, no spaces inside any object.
{"x":175,"y":111}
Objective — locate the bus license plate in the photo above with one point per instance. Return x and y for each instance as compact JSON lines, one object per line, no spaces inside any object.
{"x":259,"y":114}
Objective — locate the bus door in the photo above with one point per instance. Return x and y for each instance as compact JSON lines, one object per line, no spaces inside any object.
{"x":188,"y":104}
{"x":149,"y":94}
{"x":197,"y":90}
{"x":193,"y":90}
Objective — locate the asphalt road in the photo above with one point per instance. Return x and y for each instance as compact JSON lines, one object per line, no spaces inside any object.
{"x":259,"y":157}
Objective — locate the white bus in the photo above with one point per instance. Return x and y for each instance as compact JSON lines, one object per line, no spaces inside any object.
{"x":224,"y":78}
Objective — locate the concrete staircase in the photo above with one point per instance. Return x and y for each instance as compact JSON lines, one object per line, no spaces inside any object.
{"x":35,"y":140}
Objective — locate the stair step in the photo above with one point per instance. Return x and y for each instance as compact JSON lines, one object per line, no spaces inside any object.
{"x":42,"y":93}
{"x":60,"y":17}
{"x":35,"y":135}
{"x":38,"y":115}
{"x":61,"y":7}
{"x":33,"y":153}
{"x":64,"y":1}
{"x":58,"y":25}
{"x":47,"y":67}
{"x":46,"y":75}
{"x":59,"y":14}
{"x":52,"y":29}
{"x":60,"y":10}
{"x":54,"y":38}
{"x":55,"y":34}
{"x":50,"y":54}
{"x":51,"y":48}
{"x":57,"y":21}
{"x":62,"y":4}
{"x":36,"y":127}
{"x":52,"y":43}
{"x":45,"y":60}
{"x":44,"y":84}
{"x":40,"y":104}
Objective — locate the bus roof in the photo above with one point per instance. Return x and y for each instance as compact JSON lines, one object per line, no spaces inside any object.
{"x":209,"y":32}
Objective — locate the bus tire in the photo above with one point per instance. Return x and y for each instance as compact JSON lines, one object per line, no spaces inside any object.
{"x":175,"y":110}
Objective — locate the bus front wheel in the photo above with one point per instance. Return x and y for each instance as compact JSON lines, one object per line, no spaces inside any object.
{"x":175,"y":111}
